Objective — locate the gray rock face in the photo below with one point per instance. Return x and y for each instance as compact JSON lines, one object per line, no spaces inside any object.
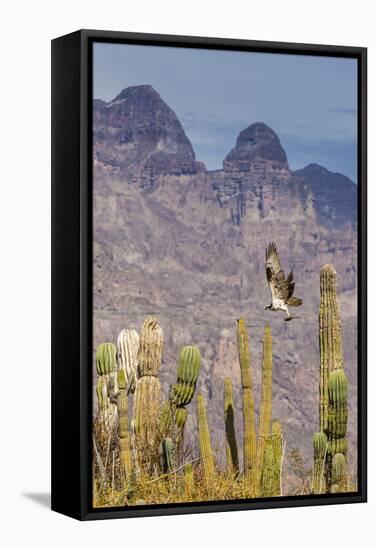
{"x":189,"y":247}
{"x":258,"y":142}
{"x":138,"y":133}
{"x":335,"y":195}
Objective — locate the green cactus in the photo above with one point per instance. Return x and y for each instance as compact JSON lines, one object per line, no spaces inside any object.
{"x":266,"y":402}
{"x":270,"y":483}
{"x":333,"y":380}
{"x":124,"y":435}
{"x":105,"y":359}
{"x":128,"y":345}
{"x":338,"y":473}
{"x":320,"y":449}
{"x":151,"y":344}
{"x":249,"y":427}
{"x":182,"y":392}
{"x":166,"y":451}
{"x":232,"y":458}
{"x":206,"y":452}
{"x":330,"y":335}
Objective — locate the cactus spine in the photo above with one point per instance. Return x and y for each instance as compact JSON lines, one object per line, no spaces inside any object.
{"x":124,"y":435}
{"x":147,"y":398}
{"x":204,"y":439}
{"x":333,"y":380}
{"x":232,"y":458}
{"x":266,"y":402}
{"x":249,"y":428}
{"x":128,"y":344}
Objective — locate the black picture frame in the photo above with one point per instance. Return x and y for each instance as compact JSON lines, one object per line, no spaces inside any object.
{"x":72,"y":272}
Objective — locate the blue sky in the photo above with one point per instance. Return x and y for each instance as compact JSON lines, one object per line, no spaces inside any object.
{"x":311,"y":102}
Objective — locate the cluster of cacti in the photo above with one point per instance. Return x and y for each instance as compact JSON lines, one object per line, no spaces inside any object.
{"x":206,"y":452}
{"x":333,"y":384}
{"x":259,"y":451}
{"x":147,"y":399}
{"x":157,"y":444}
{"x":232,"y":458}
{"x":249,"y":426}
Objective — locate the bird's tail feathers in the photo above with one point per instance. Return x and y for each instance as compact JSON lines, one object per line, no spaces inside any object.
{"x":295,"y":302}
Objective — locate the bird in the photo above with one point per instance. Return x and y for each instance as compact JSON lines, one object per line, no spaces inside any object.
{"x":281,"y":288}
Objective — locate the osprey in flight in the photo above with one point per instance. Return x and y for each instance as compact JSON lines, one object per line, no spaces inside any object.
{"x":282,"y":289}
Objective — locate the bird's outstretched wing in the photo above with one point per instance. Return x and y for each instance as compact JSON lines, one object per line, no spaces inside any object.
{"x":282,"y":288}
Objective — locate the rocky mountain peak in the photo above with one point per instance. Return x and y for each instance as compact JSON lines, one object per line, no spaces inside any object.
{"x":257,"y":142}
{"x":137,"y":132}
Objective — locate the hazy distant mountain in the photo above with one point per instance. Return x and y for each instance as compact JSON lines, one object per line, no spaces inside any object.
{"x":335,"y":195}
{"x":188,"y":245}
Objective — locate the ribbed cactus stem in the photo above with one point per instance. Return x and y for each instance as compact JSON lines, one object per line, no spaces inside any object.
{"x":330,"y":335}
{"x":272,"y":464}
{"x":249,"y":426}
{"x":151,"y":344}
{"x":124,"y":435}
{"x":338,"y":473}
{"x":232,"y":458}
{"x":266,"y":401}
{"x":320,"y":449}
{"x":167,"y":454}
{"x":333,"y":380}
{"x":128,"y":345}
{"x":206,"y":453}
{"x":147,"y":409}
{"x":105,"y":359}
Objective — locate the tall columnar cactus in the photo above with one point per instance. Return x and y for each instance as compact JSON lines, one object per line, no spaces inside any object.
{"x":147,"y":400}
{"x":174,"y":414}
{"x":333,"y":381}
{"x":147,"y":407}
{"x":331,"y":355}
{"x":107,"y":384}
{"x":232,"y":458}
{"x":128,"y":344}
{"x":266,"y":401}
{"x":320,"y":449}
{"x":270,"y":484}
{"x":151,"y":344}
{"x":206,"y":452}
{"x":249,"y":427}
{"x":124,"y":435}
{"x":105,"y":423}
